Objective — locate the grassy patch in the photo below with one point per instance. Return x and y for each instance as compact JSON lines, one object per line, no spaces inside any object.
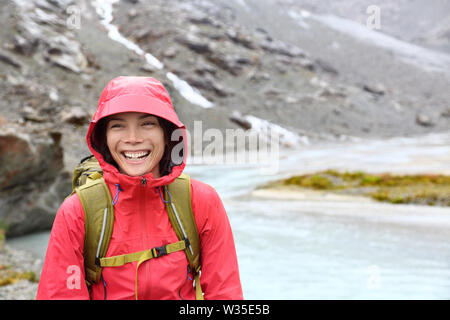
{"x":9,"y":276}
{"x":2,"y":237}
{"x":430,"y":189}
{"x":315,"y":181}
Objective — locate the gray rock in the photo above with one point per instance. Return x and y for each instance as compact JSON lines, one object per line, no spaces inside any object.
{"x":326,"y":67}
{"x":148,"y":68}
{"x":76,"y":115}
{"x":31,"y":114}
{"x":271,"y":91}
{"x":307,"y":64}
{"x":25,"y":45}
{"x":203,"y":68}
{"x":208,"y":83}
{"x":9,"y":59}
{"x":67,"y":54}
{"x":446,"y":113}
{"x":19,"y":261}
{"x":44,"y":18}
{"x":424,"y":120}
{"x":199,"y":18}
{"x":195,"y":43}
{"x":61,"y":3}
{"x":279,"y":47}
{"x":30,"y":169}
{"x":376,"y":89}
{"x":132,"y":13}
{"x":20,"y":290}
{"x":170,"y":52}
{"x":145,"y":35}
{"x":237,"y":118}
{"x":241,"y":39}
{"x":331,"y":92}
{"x":258,"y":76}
{"x":230,"y":63}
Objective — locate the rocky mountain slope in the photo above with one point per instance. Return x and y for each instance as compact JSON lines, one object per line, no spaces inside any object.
{"x":304,"y":71}
{"x":288,"y":62}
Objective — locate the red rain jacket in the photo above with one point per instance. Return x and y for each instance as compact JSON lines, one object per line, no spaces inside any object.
{"x":141,"y":222}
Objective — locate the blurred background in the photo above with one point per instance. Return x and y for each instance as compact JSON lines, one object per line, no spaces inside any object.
{"x":350,"y":85}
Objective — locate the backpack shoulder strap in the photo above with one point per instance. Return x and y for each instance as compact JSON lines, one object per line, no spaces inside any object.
{"x":98,"y":221}
{"x":181,"y":216}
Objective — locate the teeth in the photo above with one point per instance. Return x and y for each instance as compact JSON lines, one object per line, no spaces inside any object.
{"x":135,"y":155}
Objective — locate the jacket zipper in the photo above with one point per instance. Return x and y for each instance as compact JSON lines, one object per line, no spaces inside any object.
{"x":145,"y":284}
{"x":142,"y":212}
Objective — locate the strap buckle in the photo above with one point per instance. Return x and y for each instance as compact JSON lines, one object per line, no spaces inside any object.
{"x":187,"y":242}
{"x":159,"y":251}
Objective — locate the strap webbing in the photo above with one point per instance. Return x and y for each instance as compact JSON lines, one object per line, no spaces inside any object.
{"x":142,"y":256}
{"x":198,"y":288}
{"x":117,"y":261}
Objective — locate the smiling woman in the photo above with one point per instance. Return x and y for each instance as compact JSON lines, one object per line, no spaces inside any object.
{"x":136,"y":142}
{"x":129,"y":137}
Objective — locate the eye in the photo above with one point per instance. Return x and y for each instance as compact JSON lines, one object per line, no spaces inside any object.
{"x":115,"y":125}
{"x":149,"y":123}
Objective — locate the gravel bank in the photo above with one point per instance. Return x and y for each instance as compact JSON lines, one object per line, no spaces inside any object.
{"x":20,"y":261}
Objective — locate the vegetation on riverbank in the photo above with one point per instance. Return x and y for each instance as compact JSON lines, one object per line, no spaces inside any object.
{"x":429,"y":189}
{"x":9,"y":274}
{"x":2,"y":236}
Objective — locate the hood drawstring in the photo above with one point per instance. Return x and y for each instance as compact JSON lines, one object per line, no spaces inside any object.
{"x":116,"y":197}
{"x":118,"y":189}
{"x":162,"y":198}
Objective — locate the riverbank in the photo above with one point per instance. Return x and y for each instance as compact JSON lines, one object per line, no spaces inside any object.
{"x":353,"y":209}
{"x":19,"y":270}
{"x":422,"y":189}
{"x":406,"y":201}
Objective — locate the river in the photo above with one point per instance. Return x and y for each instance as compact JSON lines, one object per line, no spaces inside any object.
{"x":309,"y":249}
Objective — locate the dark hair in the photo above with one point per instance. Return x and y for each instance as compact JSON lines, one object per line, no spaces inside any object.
{"x":98,"y":142}
{"x":166,"y":164}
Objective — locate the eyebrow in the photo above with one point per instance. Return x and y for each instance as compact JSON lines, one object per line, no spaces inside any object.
{"x":117,"y":118}
{"x":146,"y":116}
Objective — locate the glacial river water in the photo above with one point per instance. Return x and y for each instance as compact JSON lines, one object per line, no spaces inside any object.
{"x":316,"y":248}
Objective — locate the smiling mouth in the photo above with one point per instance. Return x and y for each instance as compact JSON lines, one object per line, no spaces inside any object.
{"x":136,"y":155}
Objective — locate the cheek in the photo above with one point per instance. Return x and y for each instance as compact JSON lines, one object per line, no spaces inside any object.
{"x":160,"y":140}
{"x":110,"y":142}
{"x":160,"y":147}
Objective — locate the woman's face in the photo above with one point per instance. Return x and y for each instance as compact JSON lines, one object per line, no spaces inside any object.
{"x":136,"y":142}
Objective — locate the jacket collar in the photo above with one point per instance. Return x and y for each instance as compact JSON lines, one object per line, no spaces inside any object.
{"x":112,"y":175}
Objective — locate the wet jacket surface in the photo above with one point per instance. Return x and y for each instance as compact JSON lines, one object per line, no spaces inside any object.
{"x":140,"y":223}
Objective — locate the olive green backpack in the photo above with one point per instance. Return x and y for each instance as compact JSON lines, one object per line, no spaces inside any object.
{"x":98,"y":208}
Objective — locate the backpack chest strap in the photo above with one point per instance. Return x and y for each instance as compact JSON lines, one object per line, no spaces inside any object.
{"x":142,"y":256}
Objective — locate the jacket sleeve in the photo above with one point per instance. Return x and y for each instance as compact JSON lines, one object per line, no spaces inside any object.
{"x":62,"y":275}
{"x":220,"y":273}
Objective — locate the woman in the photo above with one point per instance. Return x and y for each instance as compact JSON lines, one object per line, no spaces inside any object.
{"x":130,"y":135}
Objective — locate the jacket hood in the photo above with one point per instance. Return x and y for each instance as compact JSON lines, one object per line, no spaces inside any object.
{"x":136,"y":94}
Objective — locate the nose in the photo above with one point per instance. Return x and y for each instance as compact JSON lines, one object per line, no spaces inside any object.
{"x":133,"y":136}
